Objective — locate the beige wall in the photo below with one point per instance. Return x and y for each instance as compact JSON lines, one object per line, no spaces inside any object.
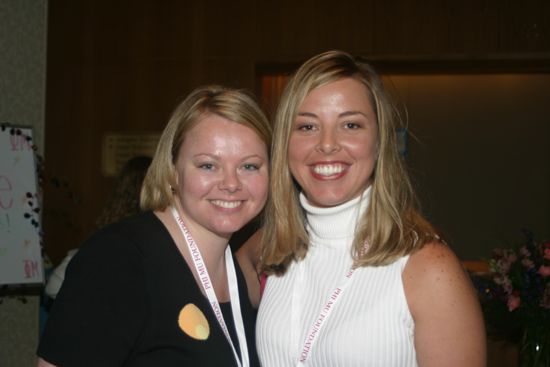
{"x":23,"y":64}
{"x":22,"y":101}
{"x":481,"y":158}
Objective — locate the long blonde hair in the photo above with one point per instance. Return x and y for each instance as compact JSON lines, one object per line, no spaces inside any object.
{"x":233,"y":104}
{"x":392,"y":223}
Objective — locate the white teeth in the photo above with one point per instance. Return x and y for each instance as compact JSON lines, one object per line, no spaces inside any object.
{"x":328,"y":169}
{"x":226,"y":204}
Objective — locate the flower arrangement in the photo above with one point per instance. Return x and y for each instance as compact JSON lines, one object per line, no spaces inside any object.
{"x":515,"y":296}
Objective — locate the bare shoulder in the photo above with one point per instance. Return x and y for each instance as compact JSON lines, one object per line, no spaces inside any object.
{"x":434,"y":271}
{"x":435,"y":261}
{"x":445,"y":309}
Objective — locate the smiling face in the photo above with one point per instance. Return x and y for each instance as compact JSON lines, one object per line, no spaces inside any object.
{"x":221,"y":175}
{"x":334,"y":142}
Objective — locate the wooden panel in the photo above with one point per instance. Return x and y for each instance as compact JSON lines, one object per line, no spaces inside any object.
{"x":525,"y":26}
{"x":124,"y":65}
{"x":468,"y":27}
{"x":408,"y":27}
{"x":474,"y":27}
{"x":347,"y":25}
{"x":69,"y":108}
{"x":293,"y":31}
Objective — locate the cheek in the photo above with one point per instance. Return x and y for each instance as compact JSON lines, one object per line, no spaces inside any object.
{"x":371,"y":152}
{"x":298,"y":148}
{"x":294,"y":168}
{"x":259,"y":187}
{"x":364,"y":149}
{"x":194,"y":183}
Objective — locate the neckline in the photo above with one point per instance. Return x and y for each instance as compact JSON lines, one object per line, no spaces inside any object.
{"x":184,"y":265}
{"x":324,"y":225}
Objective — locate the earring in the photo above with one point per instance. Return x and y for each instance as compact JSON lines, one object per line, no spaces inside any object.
{"x":172,"y":189}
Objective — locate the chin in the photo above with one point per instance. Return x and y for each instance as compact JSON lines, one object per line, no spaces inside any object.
{"x":227,"y":230}
{"x":328,"y":202}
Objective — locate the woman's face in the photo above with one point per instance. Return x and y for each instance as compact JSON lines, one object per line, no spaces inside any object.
{"x":222,"y":175}
{"x":334,"y":143}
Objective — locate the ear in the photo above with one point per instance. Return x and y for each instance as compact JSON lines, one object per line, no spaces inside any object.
{"x":174,"y":182}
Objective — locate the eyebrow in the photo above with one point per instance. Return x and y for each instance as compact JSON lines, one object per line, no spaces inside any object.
{"x":343,"y":114}
{"x":218,"y":157}
{"x":307,"y":114}
{"x":352,"y":113}
{"x":254,"y":156}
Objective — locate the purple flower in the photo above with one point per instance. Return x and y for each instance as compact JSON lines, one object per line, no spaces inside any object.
{"x":520,"y":280}
{"x":523,"y":251}
{"x":504,"y":261}
{"x":528,"y":263}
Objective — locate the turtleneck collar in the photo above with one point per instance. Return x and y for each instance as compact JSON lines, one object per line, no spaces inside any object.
{"x":337,"y":222}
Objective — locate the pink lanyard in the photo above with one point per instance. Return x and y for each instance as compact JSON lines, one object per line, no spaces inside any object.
{"x":206,"y":283}
{"x":326,"y":311}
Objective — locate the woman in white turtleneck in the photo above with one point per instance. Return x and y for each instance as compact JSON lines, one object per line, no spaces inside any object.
{"x":356,"y":276}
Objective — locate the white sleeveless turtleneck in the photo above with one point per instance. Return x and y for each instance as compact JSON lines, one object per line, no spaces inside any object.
{"x":371,"y":324}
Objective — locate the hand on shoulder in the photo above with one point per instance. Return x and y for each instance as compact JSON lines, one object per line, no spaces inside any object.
{"x":449,"y":327}
{"x":248,"y":256}
{"x":43,"y":363}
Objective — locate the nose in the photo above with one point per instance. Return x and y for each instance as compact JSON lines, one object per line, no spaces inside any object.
{"x":230,"y":182}
{"x":328,"y":142}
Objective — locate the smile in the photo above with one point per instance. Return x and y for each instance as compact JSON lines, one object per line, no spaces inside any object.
{"x":328,"y":169}
{"x":227,"y":204}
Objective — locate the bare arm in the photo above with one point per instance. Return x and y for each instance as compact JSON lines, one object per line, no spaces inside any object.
{"x":449,"y":327}
{"x":248,"y":256}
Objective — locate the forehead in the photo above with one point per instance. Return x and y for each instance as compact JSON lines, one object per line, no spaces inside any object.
{"x":343,"y":92}
{"x":218,"y":130}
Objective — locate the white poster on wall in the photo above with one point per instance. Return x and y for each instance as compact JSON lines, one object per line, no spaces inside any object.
{"x":20,"y":250}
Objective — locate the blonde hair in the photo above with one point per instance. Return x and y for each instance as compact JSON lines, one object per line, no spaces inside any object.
{"x":392,"y":223}
{"x":233,"y":104}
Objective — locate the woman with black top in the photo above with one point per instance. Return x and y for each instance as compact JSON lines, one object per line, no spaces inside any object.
{"x":161,"y":288}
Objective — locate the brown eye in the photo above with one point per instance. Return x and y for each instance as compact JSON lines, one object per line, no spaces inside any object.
{"x":251,"y":167}
{"x":206,"y":166}
{"x":305,"y":127}
{"x":352,"y":125}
